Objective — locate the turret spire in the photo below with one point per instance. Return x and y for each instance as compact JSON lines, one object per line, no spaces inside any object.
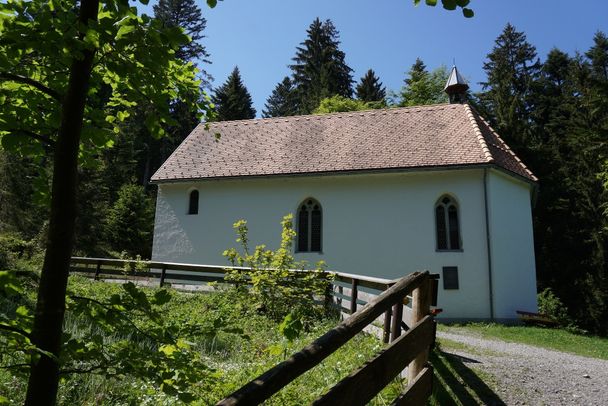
{"x":456,"y":87}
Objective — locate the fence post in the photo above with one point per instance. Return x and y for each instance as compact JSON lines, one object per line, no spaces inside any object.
{"x":396,"y":322}
{"x":387,"y":326}
{"x":421,"y":306}
{"x":97,"y":270}
{"x":353,"y":296}
{"x":163,"y":272}
{"x":328,"y":293}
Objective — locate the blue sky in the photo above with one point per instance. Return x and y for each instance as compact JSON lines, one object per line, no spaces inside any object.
{"x":260,"y":36}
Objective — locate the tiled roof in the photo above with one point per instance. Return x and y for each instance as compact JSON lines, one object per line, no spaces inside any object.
{"x":441,"y":135}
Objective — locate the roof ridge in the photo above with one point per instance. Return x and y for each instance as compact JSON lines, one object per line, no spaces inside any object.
{"x":503,"y":145}
{"x":477,"y":130}
{"x":325,"y":115}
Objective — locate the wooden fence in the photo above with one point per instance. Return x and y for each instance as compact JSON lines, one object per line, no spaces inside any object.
{"x":366,"y":299}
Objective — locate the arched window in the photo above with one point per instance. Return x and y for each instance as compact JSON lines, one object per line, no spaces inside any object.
{"x":447,"y":224}
{"x":193,"y":202}
{"x":309,"y":226}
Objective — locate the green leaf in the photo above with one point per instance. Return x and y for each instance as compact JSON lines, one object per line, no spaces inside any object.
{"x":449,"y":4}
{"x":291,"y":327}
{"x":467,"y":12}
{"x":92,"y":38}
{"x":168,"y":349}
{"x":161,"y":297}
{"x":463,"y":3}
{"x":22,"y":311}
{"x":124,"y":30}
{"x":212,"y":3}
{"x":431,"y":3}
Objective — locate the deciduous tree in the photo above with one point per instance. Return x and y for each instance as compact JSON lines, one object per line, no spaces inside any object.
{"x":67,"y":94}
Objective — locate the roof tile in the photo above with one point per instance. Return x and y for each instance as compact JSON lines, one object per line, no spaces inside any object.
{"x":400,"y":138}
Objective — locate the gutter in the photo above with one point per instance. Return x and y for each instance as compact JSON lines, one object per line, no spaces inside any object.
{"x":488,"y":245}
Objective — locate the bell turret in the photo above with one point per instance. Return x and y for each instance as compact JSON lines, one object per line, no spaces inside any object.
{"x":456,"y":87}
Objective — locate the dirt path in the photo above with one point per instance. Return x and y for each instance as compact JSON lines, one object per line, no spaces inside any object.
{"x":525,"y":375}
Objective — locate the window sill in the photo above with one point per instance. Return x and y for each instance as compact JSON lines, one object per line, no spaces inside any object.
{"x":460,"y":250}
{"x":309,"y":252}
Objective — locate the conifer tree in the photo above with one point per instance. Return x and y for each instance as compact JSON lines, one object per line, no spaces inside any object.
{"x":232,"y":100}
{"x":424,"y":87}
{"x":511,"y":69}
{"x":556,"y":116}
{"x":370,"y":88}
{"x":283,"y":100}
{"x":319,"y":68}
{"x":417,"y":72}
{"x":187,"y":15}
{"x":598,"y":55}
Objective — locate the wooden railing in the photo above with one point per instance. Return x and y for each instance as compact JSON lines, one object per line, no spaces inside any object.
{"x":378,"y":297}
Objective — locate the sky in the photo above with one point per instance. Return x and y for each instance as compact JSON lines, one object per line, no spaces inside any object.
{"x":260,"y":36}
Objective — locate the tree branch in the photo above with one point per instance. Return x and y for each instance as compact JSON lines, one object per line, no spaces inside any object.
{"x":34,"y":83}
{"x":14,"y":329}
{"x":110,"y":308}
{"x":14,"y":366}
{"x":42,"y":138}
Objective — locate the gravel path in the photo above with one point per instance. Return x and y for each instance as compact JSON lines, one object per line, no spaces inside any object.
{"x":526,"y":375}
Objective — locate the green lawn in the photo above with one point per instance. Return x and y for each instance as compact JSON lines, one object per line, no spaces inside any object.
{"x":550,"y":338}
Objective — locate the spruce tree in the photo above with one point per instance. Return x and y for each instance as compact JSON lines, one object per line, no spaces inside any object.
{"x":232,"y":100}
{"x":417,"y":72}
{"x":598,"y":55}
{"x":423,"y":87}
{"x":370,"y":88}
{"x":283,"y":100}
{"x":319,"y":68}
{"x":186,"y":15}
{"x":511,"y":68}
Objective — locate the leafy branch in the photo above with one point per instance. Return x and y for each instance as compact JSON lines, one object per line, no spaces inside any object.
{"x":31,"y":82}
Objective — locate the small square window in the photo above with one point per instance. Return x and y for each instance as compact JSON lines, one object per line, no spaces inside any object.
{"x":450,"y":277}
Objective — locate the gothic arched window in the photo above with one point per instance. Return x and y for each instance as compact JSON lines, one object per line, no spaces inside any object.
{"x":309,"y":226}
{"x":447,"y":224}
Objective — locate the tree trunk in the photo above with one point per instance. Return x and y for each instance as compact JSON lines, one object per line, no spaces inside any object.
{"x":50,"y":307}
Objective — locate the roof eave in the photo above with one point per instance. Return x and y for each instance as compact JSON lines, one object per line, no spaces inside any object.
{"x":431,"y":168}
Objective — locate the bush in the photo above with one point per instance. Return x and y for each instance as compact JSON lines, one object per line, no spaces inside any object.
{"x":551,"y":305}
{"x":11,"y":248}
{"x":280,"y":288}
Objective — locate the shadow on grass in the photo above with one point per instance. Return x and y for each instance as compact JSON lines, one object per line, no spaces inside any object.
{"x":456,"y":383}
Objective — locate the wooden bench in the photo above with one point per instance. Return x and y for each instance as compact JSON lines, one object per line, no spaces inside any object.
{"x":536,"y":319}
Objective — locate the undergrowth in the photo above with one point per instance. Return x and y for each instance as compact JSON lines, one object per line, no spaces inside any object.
{"x":247,"y":345}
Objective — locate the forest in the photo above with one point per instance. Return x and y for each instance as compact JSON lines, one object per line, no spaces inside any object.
{"x":551,"y":109}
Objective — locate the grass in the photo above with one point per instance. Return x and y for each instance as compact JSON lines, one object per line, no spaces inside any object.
{"x":550,"y":338}
{"x":234,"y":359}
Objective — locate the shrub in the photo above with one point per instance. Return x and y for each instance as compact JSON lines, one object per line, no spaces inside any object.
{"x":280,"y":286}
{"x":551,"y":305}
{"x":11,"y":248}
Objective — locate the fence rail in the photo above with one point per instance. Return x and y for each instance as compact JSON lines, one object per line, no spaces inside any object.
{"x":367,"y":299}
